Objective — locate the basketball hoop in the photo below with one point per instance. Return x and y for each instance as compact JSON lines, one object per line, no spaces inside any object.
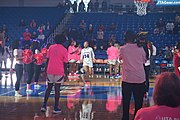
{"x":141,"y":6}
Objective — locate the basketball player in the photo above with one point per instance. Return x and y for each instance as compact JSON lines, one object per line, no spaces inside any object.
{"x":87,"y":58}
{"x":56,"y":71}
{"x":18,"y":66}
{"x":72,"y":50}
{"x":113,"y":54}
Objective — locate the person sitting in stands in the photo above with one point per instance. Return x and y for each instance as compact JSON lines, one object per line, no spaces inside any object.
{"x":33,"y":24}
{"x":166,"y":97}
{"x":22,"y":23}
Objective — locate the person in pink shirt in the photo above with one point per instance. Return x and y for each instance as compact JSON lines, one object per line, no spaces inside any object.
{"x":72,"y":55}
{"x":78,"y":56}
{"x":27,"y":37}
{"x":56,"y":70}
{"x":166,"y":97}
{"x":113,"y":54}
{"x":133,"y":74}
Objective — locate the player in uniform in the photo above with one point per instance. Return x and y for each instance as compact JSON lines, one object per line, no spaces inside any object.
{"x":87,"y":58}
{"x":113,"y":54}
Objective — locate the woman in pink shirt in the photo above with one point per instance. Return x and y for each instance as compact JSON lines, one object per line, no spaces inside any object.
{"x":72,"y":55}
{"x":112,"y":53}
{"x":133,"y":75}
{"x":56,"y":71}
{"x":166,"y":97}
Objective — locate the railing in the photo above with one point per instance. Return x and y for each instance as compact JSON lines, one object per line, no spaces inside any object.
{"x":59,"y":29}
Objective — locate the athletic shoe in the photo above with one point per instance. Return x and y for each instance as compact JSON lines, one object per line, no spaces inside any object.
{"x":37,"y":86}
{"x":43,"y":109}
{"x":111,"y":76}
{"x":56,"y":110}
{"x":17,"y":94}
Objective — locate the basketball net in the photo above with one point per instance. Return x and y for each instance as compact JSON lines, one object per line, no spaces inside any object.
{"x":141,"y":7}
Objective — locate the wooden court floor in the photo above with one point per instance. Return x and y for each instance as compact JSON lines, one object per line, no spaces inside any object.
{"x":102,"y":99}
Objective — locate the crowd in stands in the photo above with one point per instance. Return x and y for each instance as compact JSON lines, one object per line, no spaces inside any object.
{"x":168,"y":27}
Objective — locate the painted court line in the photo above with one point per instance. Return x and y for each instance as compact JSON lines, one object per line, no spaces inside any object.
{"x":10,"y":91}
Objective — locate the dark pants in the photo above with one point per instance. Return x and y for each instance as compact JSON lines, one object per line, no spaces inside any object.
{"x":138,"y":92}
{"x":19,"y":74}
{"x":30,"y":72}
{"x":147,"y":72}
{"x":37,"y":71}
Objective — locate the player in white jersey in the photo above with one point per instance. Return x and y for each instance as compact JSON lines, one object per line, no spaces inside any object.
{"x":86,"y":112}
{"x":87,"y":58}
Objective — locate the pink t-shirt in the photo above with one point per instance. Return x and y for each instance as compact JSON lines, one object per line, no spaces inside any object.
{"x":71,"y":49}
{"x":158,"y":113}
{"x":78,"y":54}
{"x":112,"y":53}
{"x":133,"y":59}
{"x":57,"y":55}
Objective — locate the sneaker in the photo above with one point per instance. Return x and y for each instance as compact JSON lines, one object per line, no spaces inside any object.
{"x":37,"y":86}
{"x":29,"y":91}
{"x":56,"y":110}
{"x":17,"y":94}
{"x":111,"y":76}
{"x":43,"y":109}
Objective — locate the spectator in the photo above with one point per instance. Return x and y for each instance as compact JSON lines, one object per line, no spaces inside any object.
{"x":48,"y":26}
{"x":101,"y":27}
{"x":156,"y":31}
{"x":177,"y":18}
{"x":90,"y":6}
{"x":4,"y":28}
{"x":34,"y":36}
{"x":41,"y":28}
{"x":100,"y":35}
{"x":2,"y":38}
{"x":104,"y":6}
{"x":33,"y":24}
{"x":167,"y":54}
{"x":82,"y":28}
{"x":81,"y":6}
{"x":96,"y":6}
{"x":133,"y":75}
{"x":112,"y":27}
{"x":90,"y":30}
{"x":74,"y":7}
{"x":170,"y":27}
{"x":27,"y":37}
{"x":166,"y":97}
{"x":41,"y":38}
{"x":22,"y":23}
{"x":177,"y":25}
{"x":113,"y":38}
{"x":161,"y":25}
{"x":176,"y":59}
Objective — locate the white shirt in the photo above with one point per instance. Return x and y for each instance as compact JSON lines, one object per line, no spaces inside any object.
{"x":18,"y":53}
{"x":148,"y":61}
{"x":87,"y":55}
{"x":154,"y":50}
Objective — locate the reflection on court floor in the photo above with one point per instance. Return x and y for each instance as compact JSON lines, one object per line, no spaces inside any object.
{"x":101,"y":99}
